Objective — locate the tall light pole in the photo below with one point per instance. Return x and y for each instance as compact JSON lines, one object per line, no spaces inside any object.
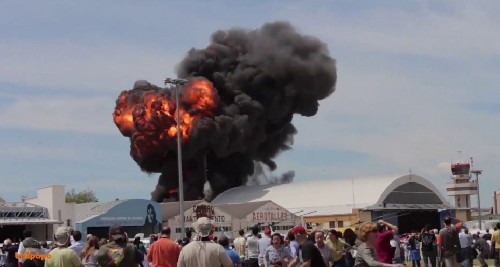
{"x":178,"y":83}
{"x":477,"y":173}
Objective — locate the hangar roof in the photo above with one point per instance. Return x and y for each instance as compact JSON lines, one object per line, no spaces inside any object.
{"x":340,"y":196}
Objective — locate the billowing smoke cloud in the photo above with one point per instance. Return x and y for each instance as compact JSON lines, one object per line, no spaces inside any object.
{"x":261,"y":77}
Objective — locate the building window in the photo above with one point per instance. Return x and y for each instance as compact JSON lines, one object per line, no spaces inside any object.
{"x":332,"y":224}
{"x":340,"y":224}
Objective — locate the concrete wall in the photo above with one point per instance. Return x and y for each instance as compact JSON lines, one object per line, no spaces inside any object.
{"x":54,"y":199}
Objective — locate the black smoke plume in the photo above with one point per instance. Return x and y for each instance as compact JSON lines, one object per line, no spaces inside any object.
{"x":262,"y":78}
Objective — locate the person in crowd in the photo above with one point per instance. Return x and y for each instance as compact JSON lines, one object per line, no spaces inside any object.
{"x":203,"y":253}
{"x":448,"y":242}
{"x":292,"y":244}
{"x":239,"y":244}
{"x":28,"y":242}
{"x":366,"y":255}
{"x":325,"y":250}
{"x":152,"y":238}
{"x":337,"y":247}
{"x":34,"y":262}
{"x":487,"y":236}
{"x":483,"y":249}
{"x":429,"y":243}
{"x":164,"y":252}
{"x":309,"y":254}
{"x":264,"y":242}
{"x":383,"y":247}
{"x":139,"y":244}
{"x":350,"y":239}
{"x":10,"y":253}
{"x":233,"y":255}
{"x":495,"y":244}
{"x":63,"y":256}
{"x":186,"y":239}
{"x":118,"y":252}
{"x":77,"y":244}
{"x":465,"y":247}
{"x":277,"y":255}
{"x":396,"y":245}
{"x":414,"y":244}
{"x":88,"y":255}
{"x":252,"y":248}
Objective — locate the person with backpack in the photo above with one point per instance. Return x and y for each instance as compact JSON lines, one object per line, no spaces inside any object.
{"x":119,"y":252}
{"x":449,"y":250}
{"x":429,"y":246}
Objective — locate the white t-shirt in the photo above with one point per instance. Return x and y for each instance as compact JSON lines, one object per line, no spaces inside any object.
{"x":253,"y":247}
{"x":203,"y":254}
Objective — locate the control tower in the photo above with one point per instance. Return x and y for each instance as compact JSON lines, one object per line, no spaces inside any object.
{"x":461,"y":187}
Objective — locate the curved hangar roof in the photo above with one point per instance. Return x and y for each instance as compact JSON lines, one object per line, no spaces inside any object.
{"x":326,"y":197}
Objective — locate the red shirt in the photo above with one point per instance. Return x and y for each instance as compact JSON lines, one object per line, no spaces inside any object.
{"x":383,"y":246}
{"x":164,"y":253}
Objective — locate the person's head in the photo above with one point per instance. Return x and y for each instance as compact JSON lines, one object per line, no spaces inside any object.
{"x":223,"y":241}
{"x":137,"y":240}
{"x":117,"y":234}
{"x":300,"y":234}
{"x":203,"y":227}
{"x":475,"y":236}
{"x":290,"y":236}
{"x":7,"y":243}
{"x":77,"y":235}
{"x":189,"y":234}
{"x":487,"y":231}
{"x":428,"y":227}
{"x":103,"y":241}
{"x":62,"y":236}
{"x":367,"y":233}
{"x":241,"y":232}
{"x":381,"y":227}
{"x":44,"y":244}
{"x":319,"y":238}
{"x":349,"y":236}
{"x":267,"y":231}
{"x":152,"y":238}
{"x":498,"y":225}
{"x":332,"y":235}
{"x":447,"y":220}
{"x":27,"y":233}
{"x":255,"y":230}
{"x":93,"y":241}
{"x":277,"y":240}
{"x":466,"y":231}
{"x":165,"y":231}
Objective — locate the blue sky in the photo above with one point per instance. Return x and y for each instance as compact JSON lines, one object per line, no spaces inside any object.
{"x":417,"y":81}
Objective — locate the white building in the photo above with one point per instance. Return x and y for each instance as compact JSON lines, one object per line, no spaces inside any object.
{"x":407,"y":200}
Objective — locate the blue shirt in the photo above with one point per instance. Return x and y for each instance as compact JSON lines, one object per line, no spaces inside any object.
{"x":233,"y":255}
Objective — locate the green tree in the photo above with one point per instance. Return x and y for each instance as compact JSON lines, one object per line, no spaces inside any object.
{"x":84,"y":196}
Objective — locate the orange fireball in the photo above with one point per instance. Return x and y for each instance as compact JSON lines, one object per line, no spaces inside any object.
{"x":154,"y":110}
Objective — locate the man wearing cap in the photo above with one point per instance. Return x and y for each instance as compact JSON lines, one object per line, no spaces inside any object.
{"x":309,"y":255}
{"x":203,"y":253}
{"x":264,"y":243}
{"x":164,"y":252}
{"x":118,"y":252}
{"x":62,"y":256}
